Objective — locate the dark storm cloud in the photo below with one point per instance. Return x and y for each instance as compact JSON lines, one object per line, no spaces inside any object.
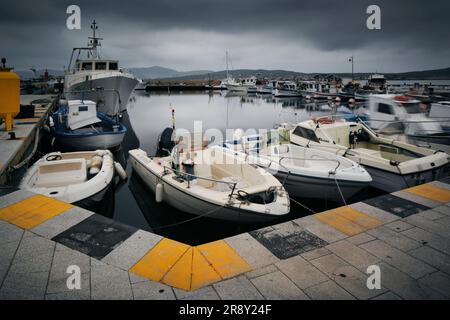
{"x":318,"y":26}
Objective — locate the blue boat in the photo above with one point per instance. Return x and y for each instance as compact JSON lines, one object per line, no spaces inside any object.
{"x":78,"y":126}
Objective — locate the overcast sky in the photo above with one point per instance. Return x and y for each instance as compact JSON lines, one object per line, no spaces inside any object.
{"x":305,"y":36}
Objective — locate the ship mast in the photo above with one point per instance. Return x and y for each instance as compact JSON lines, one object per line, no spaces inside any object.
{"x":94,"y":41}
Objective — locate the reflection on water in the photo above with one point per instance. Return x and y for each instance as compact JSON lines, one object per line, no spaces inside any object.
{"x":150,"y":114}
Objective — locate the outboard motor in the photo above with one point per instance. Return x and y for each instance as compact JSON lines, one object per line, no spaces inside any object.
{"x":165,"y":142}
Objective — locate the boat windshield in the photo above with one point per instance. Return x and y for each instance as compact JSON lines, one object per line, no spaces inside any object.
{"x":306,"y":133}
{"x":412,"y":107}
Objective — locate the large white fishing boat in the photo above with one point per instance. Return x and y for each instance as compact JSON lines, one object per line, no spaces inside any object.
{"x":393,"y":164}
{"x":97,"y":79}
{"x":211,"y":183}
{"x":286,"y":89}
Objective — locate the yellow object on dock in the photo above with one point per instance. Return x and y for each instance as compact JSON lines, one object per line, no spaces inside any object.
{"x":9,"y":96}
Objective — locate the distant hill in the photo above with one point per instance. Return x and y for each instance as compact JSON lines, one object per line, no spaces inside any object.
{"x":438,"y":74}
{"x":157,"y":72}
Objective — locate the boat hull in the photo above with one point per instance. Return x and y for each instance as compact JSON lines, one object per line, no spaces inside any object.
{"x":320,"y":188}
{"x":107,"y":101}
{"x":286,"y":93}
{"x":391,"y":182}
{"x":185,"y":202}
{"x":89,"y":142}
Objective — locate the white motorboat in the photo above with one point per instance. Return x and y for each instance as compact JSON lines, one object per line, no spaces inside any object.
{"x":97,"y":79}
{"x":286,"y":89}
{"x":305,"y":172}
{"x":440,"y":111}
{"x":391,"y":113}
{"x":211,"y":183}
{"x":74,"y":177}
{"x":393,"y":164}
{"x":243,"y":85}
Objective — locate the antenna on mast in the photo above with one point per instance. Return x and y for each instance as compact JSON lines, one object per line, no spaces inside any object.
{"x":94,"y":41}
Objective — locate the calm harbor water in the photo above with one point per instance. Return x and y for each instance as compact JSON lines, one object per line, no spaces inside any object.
{"x":149,"y":114}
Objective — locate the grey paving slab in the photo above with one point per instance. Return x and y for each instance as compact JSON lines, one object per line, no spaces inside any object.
{"x":68,"y":295}
{"x":238,"y":288}
{"x":108,"y":282}
{"x":360,"y":238}
{"x":11,"y":237}
{"x":301,"y":272}
{"x":346,"y":276}
{"x":62,"y":260}
{"x":276,"y":286}
{"x":14,"y":197}
{"x":34,"y":254}
{"x":387,"y":296}
{"x":395,"y":239}
{"x":24,"y":286}
{"x":437,"y":281}
{"x":205,"y":293}
{"x":251,"y":250}
{"x":443,"y":209}
{"x":418,"y":199}
{"x":445,"y":221}
{"x":402,"y":261}
{"x":135,"y":278}
{"x":132,"y":250}
{"x":395,"y":205}
{"x":426,"y":238}
{"x":320,"y":229}
{"x":10,"y":232}
{"x":405,"y":286}
{"x":399,"y":226}
{"x":261,"y":271}
{"x":352,"y":254}
{"x":328,"y":290}
{"x":432,"y":257}
{"x":314,"y":254}
{"x":432,"y":215}
{"x":374,"y":212}
{"x":150,"y":290}
{"x":429,"y":226}
{"x":51,"y":228}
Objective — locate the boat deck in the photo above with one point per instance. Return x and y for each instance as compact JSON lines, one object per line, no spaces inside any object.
{"x":322,"y":256}
{"x":11,"y":151}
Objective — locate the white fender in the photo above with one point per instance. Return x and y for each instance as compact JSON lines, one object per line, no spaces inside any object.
{"x":159,"y":192}
{"x":120,"y":170}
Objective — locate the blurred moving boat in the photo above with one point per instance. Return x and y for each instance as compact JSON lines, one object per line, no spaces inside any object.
{"x":390,"y":112}
{"x":440,"y":111}
{"x":78,"y":126}
{"x":97,"y":79}
{"x":75,"y":177}
{"x":393,"y":164}
{"x":211,"y":183}
{"x":304,"y":172}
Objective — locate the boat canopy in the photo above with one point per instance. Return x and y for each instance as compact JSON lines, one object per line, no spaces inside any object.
{"x":81,"y":113}
{"x":96,"y":65}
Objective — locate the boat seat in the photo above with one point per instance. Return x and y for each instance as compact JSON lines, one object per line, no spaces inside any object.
{"x":61,"y":173}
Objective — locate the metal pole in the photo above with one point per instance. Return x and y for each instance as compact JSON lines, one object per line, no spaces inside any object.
{"x":352,"y":71}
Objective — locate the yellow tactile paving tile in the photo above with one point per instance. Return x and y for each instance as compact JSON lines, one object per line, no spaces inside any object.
{"x":190,"y":268}
{"x":179,"y":276}
{"x":33,"y":211}
{"x":160,"y":259}
{"x":223,"y":258}
{"x":431,"y":192}
{"x":348,"y":220}
{"x":203,"y":272}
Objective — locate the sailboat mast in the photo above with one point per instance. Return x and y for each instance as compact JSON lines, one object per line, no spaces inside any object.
{"x":226,"y":58}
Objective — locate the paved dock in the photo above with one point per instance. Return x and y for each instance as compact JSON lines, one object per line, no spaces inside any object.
{"x":12,"y":150}
{"x":405,"y":234}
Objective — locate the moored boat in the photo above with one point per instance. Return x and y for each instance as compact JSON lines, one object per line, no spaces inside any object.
{"x":80,"y":178}
{"x":78,"y":126}
{"x":210,"y":183}
{"x":305,"y":172}
{"x":393,"y":164}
